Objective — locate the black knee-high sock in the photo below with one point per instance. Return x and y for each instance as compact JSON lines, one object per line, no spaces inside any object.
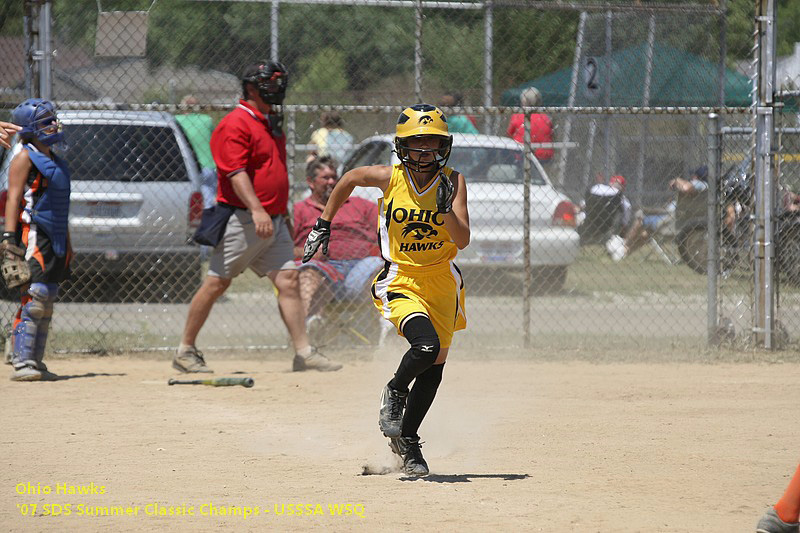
{"x":418,"y":331}
{"x":420,"y":399}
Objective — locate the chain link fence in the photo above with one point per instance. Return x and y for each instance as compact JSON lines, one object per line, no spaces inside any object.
{"x":620,"y":90}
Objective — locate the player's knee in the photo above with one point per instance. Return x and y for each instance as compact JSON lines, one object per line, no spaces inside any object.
{"x":41,"y":303}
{"x":312,"y":284}
{"x":43,"y":292}
{"x":288,"y":282}
{"x":426,"y":348}
{"x":215,"y":286}
{"x":424,"y":340}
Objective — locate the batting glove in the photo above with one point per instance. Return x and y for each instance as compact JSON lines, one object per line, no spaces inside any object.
{"x":444,"y":194}
{"x":320,"y":236}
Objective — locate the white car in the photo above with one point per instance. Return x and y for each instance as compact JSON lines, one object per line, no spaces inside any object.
{"x":493,"y":167}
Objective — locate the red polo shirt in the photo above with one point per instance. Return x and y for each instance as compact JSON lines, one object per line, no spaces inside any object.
{"x":541,"y":132}
{"x":243,"y":141}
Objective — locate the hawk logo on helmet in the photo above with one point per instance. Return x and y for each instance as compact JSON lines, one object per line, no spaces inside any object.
{"x":422,"y":120}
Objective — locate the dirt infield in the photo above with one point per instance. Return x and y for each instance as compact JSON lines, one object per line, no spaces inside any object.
{"x":512,"y":445}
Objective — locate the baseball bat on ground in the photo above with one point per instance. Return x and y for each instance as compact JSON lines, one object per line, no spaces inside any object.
{"x":215,"y":382}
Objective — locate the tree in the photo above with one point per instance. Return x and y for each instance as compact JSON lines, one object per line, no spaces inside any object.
{"x":788,"y":26}
{"x":527,"y":42}
{"x":325,"y":71}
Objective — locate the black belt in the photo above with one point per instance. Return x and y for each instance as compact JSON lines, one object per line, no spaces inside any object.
{"x":233,"y":206}
{"x":236,"y":207}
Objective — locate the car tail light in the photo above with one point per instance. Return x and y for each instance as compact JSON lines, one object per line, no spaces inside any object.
{"x":3,"y":200}
{"x":564,"y":215}
{"x":195,"y":209}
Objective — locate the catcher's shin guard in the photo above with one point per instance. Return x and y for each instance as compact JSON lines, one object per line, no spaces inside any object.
{"x":30,"y":334}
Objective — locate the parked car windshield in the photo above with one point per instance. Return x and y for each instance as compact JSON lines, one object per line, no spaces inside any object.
{"x":491,"y":165}
{"x":128,"y":153}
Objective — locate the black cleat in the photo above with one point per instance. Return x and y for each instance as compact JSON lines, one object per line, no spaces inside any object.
{"x":390,"y":419}
{"x":410,"y":450}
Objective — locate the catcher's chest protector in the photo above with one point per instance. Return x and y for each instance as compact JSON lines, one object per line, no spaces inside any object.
{"x":51,"y":211}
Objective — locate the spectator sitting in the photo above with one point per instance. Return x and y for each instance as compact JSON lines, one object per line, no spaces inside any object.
{"x":352,"y":259}
{"x":331,"y":139}
{"x":607,"y":212}
{"x":644,"y":227}
{"x":736,"y":196}
{"x":696,"y":184}
{"x":541,"y":125}
{"x":790,"y":201}
{"x":458,"y":123}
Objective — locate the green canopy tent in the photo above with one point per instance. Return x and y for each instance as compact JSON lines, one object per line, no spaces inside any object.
{"x":678,"y":78}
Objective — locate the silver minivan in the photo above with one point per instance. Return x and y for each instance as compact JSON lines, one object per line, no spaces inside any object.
{"x":134,"y":205}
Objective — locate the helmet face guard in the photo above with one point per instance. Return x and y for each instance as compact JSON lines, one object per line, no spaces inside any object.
{"x":39,"y":121}
{"x":421,"y":163}
{"x":419,"y":121}
{"x":271,"y":80}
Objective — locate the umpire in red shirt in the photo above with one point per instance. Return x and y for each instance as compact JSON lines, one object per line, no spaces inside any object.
{"x":249,"y":150}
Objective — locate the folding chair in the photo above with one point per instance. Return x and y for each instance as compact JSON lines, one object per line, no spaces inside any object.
{"x":351,"y":322}
{"x":602,"y":218}
{"x":662,"y":236}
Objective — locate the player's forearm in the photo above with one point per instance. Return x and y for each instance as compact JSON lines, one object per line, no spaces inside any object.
{"x":458,"y":228}
{"x":243,"y":188}
{"x":12,"y":211}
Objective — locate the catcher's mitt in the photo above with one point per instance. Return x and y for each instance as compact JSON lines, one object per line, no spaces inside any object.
{"x":13,"y":267}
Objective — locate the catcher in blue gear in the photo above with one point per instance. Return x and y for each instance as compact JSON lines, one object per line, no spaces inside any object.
{"x":35,"y":249}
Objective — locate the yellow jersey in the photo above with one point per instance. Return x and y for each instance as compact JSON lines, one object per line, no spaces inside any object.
{"x":412,"y":232}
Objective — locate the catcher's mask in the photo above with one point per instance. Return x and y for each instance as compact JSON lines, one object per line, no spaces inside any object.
{"x":37,"y":117}
{"x":271,"y":79}
{"x":418,"y":121}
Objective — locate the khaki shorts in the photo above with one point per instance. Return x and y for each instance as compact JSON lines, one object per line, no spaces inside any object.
{"x":241,"y":248}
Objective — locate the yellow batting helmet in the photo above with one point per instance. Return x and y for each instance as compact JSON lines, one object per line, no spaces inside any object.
{"x":417,"y":121}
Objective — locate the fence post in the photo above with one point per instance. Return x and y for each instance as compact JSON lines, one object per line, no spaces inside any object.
{"x":274,"y":30}
{"x":31,"y":35}
{"x":764,"y":245}
{"x":712,"y":217}
{"x":291,"y":141}
{"x":526,"y":232}
{"x":488,"y":46}
{"x":46,"y":50}
{"x":418,"y":51}
{"x":573,"y":89}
